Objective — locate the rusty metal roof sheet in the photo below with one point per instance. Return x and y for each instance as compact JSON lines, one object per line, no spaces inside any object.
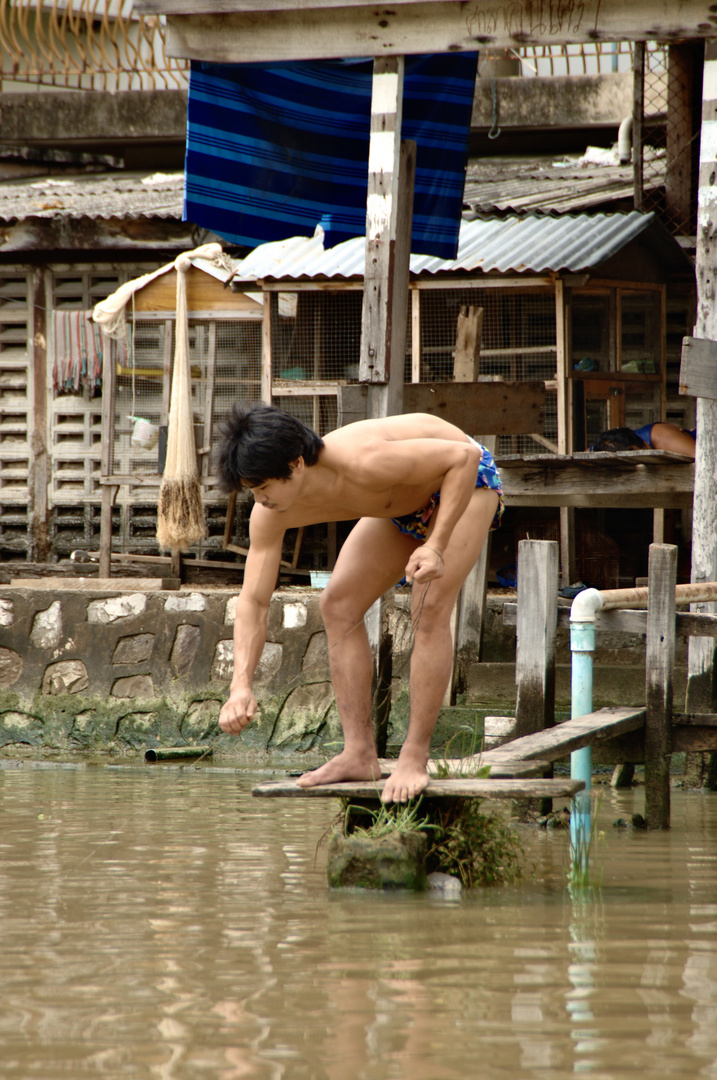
{"x":534,"y":243}
{"x":100,"y":196}
{"x":571,"y":184}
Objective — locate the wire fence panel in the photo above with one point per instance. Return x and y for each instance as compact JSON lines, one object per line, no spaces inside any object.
{"x":85,"y":45}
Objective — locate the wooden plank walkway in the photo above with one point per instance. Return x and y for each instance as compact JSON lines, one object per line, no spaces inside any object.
{"x":559,"y":741}
{"x":460,"y":788}
{"x":513,"y":766}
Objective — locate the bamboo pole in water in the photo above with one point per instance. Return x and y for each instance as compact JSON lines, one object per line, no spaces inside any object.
{"x":174,"y":753}
{"x":695,"y":593}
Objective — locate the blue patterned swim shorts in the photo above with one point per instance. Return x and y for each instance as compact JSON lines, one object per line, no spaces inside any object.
{"x":416,"y":524}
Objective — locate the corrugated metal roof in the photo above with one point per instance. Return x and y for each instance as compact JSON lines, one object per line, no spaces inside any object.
{"x":538,"y":243}
{"x":569,"y":185}
{"x":119,"y":195}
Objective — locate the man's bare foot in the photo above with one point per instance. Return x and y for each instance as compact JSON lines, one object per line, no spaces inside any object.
{"x":409,"y":779}
{"x":342,"y":767}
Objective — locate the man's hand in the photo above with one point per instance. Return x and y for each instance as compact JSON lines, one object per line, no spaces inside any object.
{"x":425,"y":564}
{"x":238,"y":712}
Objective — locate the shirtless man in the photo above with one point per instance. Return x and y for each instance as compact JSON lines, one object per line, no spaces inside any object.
{"x":425,"y":495}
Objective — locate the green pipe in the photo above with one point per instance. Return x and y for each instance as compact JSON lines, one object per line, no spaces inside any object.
{"x":175,"y":753}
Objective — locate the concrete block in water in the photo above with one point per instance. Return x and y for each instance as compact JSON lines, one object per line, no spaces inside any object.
{"x":394,"y":861}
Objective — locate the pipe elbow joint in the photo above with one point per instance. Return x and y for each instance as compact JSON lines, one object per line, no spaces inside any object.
{"x":624,"y":141}
{"x":585,"y":605}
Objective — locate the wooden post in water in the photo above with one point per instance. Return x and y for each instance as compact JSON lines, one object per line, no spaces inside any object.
{"x":660,"y":661}
{"x":537,"y":625}
{"x":469,"y":613}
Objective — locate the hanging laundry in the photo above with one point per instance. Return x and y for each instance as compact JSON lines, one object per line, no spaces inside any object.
{"x":275,"y":149}
{"x":78,"y":352}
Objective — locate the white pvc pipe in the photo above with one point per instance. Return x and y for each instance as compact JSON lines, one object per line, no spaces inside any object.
{"x":624,"y":140}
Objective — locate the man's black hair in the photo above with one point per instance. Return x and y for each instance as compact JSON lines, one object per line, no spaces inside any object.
{"x":619,"y":438}
{"x":259,"y":442}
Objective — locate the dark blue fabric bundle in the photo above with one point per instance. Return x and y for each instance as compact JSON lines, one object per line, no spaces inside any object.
{"x":275,"y":149}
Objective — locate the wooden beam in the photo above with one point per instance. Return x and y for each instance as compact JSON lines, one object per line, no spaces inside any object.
{"x":481,"y":408}
{"x":225,"y":32}
{"x":695,"y":719}
{"x":97,"y":584}
{"x":555,"y":482}
{"x":694,"y":740}
{"x":698,"y":369}
{"x":462,"y":788}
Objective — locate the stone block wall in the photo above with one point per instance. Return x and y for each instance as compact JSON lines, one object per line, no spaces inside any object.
{"x":123,"y":671}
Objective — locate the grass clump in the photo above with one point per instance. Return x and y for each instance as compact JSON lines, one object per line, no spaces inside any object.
{"x":461,"y":755}
{"x":477,"y":847}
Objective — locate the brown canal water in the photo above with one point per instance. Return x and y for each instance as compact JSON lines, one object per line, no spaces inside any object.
{"x":162,"y":923}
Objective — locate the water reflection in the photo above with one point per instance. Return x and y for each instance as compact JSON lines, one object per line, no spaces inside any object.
{"x":158,"y":922}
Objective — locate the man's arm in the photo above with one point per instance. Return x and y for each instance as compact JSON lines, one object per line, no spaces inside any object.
{"x":410,"y":462}
{"x":457,"y":487}
{"x":260,"y":573}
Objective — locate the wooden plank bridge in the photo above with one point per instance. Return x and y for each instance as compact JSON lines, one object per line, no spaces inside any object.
{"x":649,"y":734}
{"x":514,"y":768}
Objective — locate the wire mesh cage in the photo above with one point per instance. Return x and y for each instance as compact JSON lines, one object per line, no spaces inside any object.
{"x":518,"y":342}
{"x":667,"y":148}
{"x":316,"y":341}
{"x":316,"y":338}
{"x":597,"y":555}
{"x":225,"y":365}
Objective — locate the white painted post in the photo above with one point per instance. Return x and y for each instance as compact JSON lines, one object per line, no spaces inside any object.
{"x":389,"y":211}
{"x":389,"y":214}
{"x":701,"y":657}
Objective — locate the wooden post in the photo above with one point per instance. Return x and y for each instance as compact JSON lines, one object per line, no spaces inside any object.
{"x":638,"y":115}
{"x":537,"y":626}
{"x":565,"y":423}
{"x":469,"y":613}
{"x":271,"y":301}
{"x":701,"y":689}
{"x":469,"y":331}
{"x":415,"y":335}
{"x":109,"y":491}
{"x":660,"y":661}
{"x":389,"y":215}
{"x":683,"y":72}
{"x":37,"y":433}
